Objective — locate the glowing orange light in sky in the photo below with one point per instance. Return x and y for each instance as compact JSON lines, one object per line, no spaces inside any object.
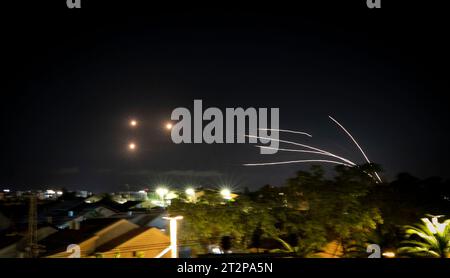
{"x":132,"y":146}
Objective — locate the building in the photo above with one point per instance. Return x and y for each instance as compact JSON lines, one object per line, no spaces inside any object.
{"x":145,"y":242}
{"x":107,"y":238}
{"x":13,"y":245}
{"x":88,"y":235}
{"x":5,"y":223}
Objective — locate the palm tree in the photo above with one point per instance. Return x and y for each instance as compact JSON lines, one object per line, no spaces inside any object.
{"x":294,"y":250}
{"x":430,"y":239}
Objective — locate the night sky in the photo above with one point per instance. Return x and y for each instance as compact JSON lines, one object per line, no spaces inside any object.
{"x":75,"y":77}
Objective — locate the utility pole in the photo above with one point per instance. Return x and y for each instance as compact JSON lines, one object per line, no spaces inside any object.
{"x":173,"y":248}
{"x":32,"y":244}
{"x":173,"y":234}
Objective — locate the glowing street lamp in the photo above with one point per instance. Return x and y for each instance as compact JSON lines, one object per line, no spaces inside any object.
{"x":190,"y":193}
{"x":169,"y":126}
{"x":162,"y":192}
{"x":226,"y":193}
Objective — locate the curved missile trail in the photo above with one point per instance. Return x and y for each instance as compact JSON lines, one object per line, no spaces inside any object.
{"x":356,"y":143}
{"x":292,"y":150}
{"x":298,"y":161}
{"x":287,"y":131}
{"x":305,"y":146}
{"x":301,"y":151}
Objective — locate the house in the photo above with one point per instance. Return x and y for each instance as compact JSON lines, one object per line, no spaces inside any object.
{"x":152,"y":218}
{"x":88,"y":235}
{"x":5,"y":223}
{"x":13,"y":245}
{"x":144,"y":242}
{"x":8,"y":245}
{"x":82,"y":213}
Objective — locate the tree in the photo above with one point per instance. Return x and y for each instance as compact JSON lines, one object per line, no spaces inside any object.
{"x":429,"y":239}
{"x":307,"y":213}
{"x":226,"y":243}
{"x":256,"y":238}
{"x":337,"y":209}
{"x":297,"y":251}
{"x":210,"y":219}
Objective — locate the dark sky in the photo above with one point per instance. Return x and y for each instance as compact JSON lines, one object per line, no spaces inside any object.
{"x":75,"y":77}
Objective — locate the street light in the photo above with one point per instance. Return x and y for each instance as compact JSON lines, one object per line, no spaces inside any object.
{"x":226,"y":193}
{"x":162,"y":192}
{"x":169,"y":126}
{"x":190,"y":192}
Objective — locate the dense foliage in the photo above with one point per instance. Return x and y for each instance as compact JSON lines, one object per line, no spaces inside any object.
{"x":305,"y":214}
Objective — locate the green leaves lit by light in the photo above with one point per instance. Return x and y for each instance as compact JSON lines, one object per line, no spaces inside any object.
{"x":430,"y":239}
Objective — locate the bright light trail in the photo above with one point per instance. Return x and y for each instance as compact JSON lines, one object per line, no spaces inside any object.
{"x":306,"y":146}
{"x":356,"y":143}
{"x":306,"y":151}
{"x":298,"y":161}
{"x":287,"y":131}
{"x":292,"y":150}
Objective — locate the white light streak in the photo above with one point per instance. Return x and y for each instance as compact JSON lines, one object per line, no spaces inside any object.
{"x":292,"y":150}
{"x":287,"y":131}
{"x":356,"y":143}
{"x":298,"y":161}
{"x":306,"y":146}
